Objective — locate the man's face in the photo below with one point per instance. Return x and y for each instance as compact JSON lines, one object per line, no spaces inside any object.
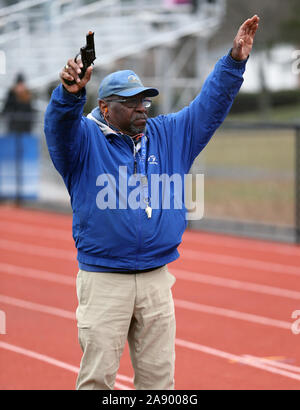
{"x":128,"y":114}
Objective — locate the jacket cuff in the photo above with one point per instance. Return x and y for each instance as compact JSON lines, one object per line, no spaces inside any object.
{"x":71,"y":97}
{"x":231,"y":62}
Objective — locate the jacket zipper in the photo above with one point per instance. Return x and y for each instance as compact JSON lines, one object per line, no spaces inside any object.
{"x":135,"y":167}
{"x":139,"y":222}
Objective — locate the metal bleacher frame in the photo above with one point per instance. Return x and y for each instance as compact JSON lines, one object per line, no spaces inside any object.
{"x":37,"y":36}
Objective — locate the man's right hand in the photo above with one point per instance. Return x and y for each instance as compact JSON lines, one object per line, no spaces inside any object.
{"x":71,"y":72}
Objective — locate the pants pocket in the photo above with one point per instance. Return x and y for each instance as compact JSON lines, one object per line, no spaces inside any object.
{"x":171,"y":279}
{"x":82,"y":308}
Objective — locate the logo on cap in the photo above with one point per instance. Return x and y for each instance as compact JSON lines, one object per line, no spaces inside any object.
{"x":132,"y":79}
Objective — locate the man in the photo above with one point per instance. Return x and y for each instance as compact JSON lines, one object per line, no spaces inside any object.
{"x":18,"y":108}
{"x":19,"y":113}
{"x":124,"y":242}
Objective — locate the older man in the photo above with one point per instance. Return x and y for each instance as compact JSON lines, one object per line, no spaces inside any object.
{"x":124,"y":242}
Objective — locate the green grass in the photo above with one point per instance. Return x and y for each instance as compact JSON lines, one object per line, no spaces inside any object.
{"x":255,"y":176}
{"x":267,"y":149}
{"x":286,"y":113}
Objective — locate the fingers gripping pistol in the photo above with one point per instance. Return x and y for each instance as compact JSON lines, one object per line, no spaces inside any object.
{"x":88,"y":55}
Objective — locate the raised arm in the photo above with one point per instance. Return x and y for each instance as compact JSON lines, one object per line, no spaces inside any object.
{"x":64,"y":125}
{"x":189,"y":130}
{"x":243,"y":42}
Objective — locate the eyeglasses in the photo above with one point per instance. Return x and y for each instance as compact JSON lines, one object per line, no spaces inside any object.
{"x":132,"y":102}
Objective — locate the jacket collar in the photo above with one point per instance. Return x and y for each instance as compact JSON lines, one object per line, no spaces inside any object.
{"x":98,"y":118}
{"x":108,"y":130}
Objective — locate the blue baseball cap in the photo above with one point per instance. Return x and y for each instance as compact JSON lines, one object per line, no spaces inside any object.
{"x":124,"y":83}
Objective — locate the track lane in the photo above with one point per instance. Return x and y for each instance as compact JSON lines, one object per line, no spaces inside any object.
{"x":209,"y":372}
{"x":221,"y":353}
{"x":25,"y":373}
{"x":39,"y":262}
{"x":260,"y":271}
{"x":264,"y":253}
{"x":68,"y":255}
{"x":241,"y":333}
{"x":237,"y":273}
{"x":45,"y":333}
{"x":48,"y":334}
{"x":61,"y":293}
{"x":58,"y":221}
{"x":36,"y":217}
{"x":240,"y":243}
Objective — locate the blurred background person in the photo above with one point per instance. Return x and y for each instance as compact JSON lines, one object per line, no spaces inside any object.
{"x":18,"y":112}
{"x":18,"y":108}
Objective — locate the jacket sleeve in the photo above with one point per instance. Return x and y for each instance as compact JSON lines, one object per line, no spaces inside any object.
{"x":65,"y":129}
{"x":189,"y":130}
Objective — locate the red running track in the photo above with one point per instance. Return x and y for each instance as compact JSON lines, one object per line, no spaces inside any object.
{"x":234,"y":301}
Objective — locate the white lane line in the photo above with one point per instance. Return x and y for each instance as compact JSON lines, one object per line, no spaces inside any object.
{"x":180,"y":274}
{"x":37,"y":274}
{"x":39,"y":356}
{"x":40,"y":231}
{"x":37,"y":307}
{"x":197,"y":347}
{"x":227,"y":241}
{"x":274,"y":363}
{"x":233,"y":314}
{"x":186,"y":254}
{"x":41,"y":219}
{"x":51,"y":360}
{"x":235,"y":284}
{"x":197,"y":307}
{"x":222,"y":259}
{"x":37,"y":250}
{"x":235,"y":358}
{"x":196,"y":237}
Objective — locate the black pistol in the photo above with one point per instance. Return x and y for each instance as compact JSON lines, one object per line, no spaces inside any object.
{"x":88,"y":56}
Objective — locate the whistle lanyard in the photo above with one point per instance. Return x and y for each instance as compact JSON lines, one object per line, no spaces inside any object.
{"x":144,"y":179}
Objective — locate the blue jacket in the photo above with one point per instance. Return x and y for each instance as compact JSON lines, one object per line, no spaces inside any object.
{"x":84,"y":154}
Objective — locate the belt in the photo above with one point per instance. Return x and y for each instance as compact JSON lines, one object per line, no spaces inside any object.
{"x":134,"y":272}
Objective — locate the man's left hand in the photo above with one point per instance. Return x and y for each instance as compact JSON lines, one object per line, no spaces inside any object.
{"x":243,"y":42}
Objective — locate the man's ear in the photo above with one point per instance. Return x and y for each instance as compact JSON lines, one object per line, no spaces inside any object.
{"x":103,"y":107}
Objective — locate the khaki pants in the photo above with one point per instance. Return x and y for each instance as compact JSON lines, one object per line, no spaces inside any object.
{"x":116,"y":307}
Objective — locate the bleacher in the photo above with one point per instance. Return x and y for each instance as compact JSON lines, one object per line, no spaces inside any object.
{"x":37,"y":36}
